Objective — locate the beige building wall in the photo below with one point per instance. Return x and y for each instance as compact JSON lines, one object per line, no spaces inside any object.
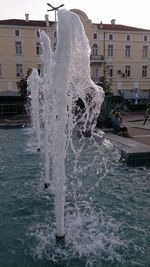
{"x":9,"y":58}
{"x":100,"y":65}
{"x":103,"y":65}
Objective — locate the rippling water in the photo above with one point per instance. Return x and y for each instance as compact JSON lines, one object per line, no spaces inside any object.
{"x":107,"y":216}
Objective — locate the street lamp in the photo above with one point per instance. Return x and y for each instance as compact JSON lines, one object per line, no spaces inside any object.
{"x":54,"y":9}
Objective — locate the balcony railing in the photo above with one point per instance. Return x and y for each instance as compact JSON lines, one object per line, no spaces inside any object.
{"x":97,"y":58}
{"x":96,"y":79}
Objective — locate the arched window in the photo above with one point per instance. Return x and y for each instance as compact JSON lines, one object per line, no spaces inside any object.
{"x":95,"y":50}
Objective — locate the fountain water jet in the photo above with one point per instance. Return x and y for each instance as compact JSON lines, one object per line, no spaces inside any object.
{"x":66,"y":79}
{"x":33,"y":82}
{"x":47,"y":62}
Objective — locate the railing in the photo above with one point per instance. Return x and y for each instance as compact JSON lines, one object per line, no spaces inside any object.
{"x":96,"y":79}
{"x":97,"y":58}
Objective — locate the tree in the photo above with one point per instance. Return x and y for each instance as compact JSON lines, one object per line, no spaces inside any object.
{"x":22,"y":86}
{"x":106,"y":85}
{"x":110,"y":104}
{"x":147,"y":113}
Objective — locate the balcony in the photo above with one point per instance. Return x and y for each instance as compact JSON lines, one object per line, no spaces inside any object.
{"x":96,"y":58}
{"x":97,"y":79}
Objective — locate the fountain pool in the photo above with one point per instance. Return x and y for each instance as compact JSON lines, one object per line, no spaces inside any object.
{"x":106,"y":210}
{"x":94,"y":199}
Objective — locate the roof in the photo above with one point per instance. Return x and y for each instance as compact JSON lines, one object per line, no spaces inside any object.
{"x":42,"y":23}
{"x":119,"y":27}
{"x":21,"y":22}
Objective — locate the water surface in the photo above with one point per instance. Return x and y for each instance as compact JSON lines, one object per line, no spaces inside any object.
{"x":107,"y":217}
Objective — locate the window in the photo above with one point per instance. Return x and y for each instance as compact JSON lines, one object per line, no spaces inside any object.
{"x":17,"y":33}
{"x":145,"y":38}
{"x":95,"y":50}
{"x":38,"y":49}
{"x":19,"y":70}
{"x":144,"y":71}
{"x":110,"y":70}
{"x":18,"y":48}
{"x":0,"y":70}
{"x":127,"y":71}
{"x":39,"y":69}
{"x":38,"y":33}
{"x":94,"y":35}
{"x":110,"y":37}
{"x":127,"y":50}
{"x":145,"y":50}
{"x":95,"y":72}
{"x":54,"y":34}
{"x":110,"y":50}
{"x":128,"y":37}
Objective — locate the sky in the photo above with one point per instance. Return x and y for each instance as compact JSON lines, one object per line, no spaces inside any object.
{"x":134,"y":13}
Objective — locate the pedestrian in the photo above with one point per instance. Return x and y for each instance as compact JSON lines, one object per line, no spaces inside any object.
{"x":117,"y":125}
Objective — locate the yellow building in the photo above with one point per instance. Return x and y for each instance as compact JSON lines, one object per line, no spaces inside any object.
{"x":119,"y":54}
{"x":19,"y":50}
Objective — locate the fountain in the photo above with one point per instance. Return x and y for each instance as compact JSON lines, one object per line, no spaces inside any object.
{"x":64,"y":83}
{"x":33,"y":82}
{"x":98,"y":203}
{"x":106,"y":206}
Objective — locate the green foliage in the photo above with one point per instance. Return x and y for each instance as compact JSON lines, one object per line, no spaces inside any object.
{"x":22,"y":86}
{"x":147,"y":113}
{"x":106,"y":85}
{"x":110,"y":104}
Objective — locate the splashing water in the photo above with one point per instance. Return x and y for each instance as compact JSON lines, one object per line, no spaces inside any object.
{"x":33,"y":82}
{"x":71,"y":101}
{"x":106,"y":207}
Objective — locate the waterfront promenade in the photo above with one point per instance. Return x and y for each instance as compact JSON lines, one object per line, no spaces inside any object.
{"x":136,"y":150}
{"x":134,"y":123}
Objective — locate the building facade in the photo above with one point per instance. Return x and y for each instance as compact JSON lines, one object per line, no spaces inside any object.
{"x":120,"y":54}
{"x":20,"y":50}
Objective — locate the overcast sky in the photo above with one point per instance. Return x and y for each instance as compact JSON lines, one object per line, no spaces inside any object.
{"x":130,"y":12}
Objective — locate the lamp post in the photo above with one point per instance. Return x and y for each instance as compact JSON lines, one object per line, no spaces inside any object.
{"x":55,"y":9}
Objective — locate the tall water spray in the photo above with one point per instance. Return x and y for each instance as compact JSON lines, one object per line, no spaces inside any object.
{"x":33,"y":84}
{"x":70,"y":100}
